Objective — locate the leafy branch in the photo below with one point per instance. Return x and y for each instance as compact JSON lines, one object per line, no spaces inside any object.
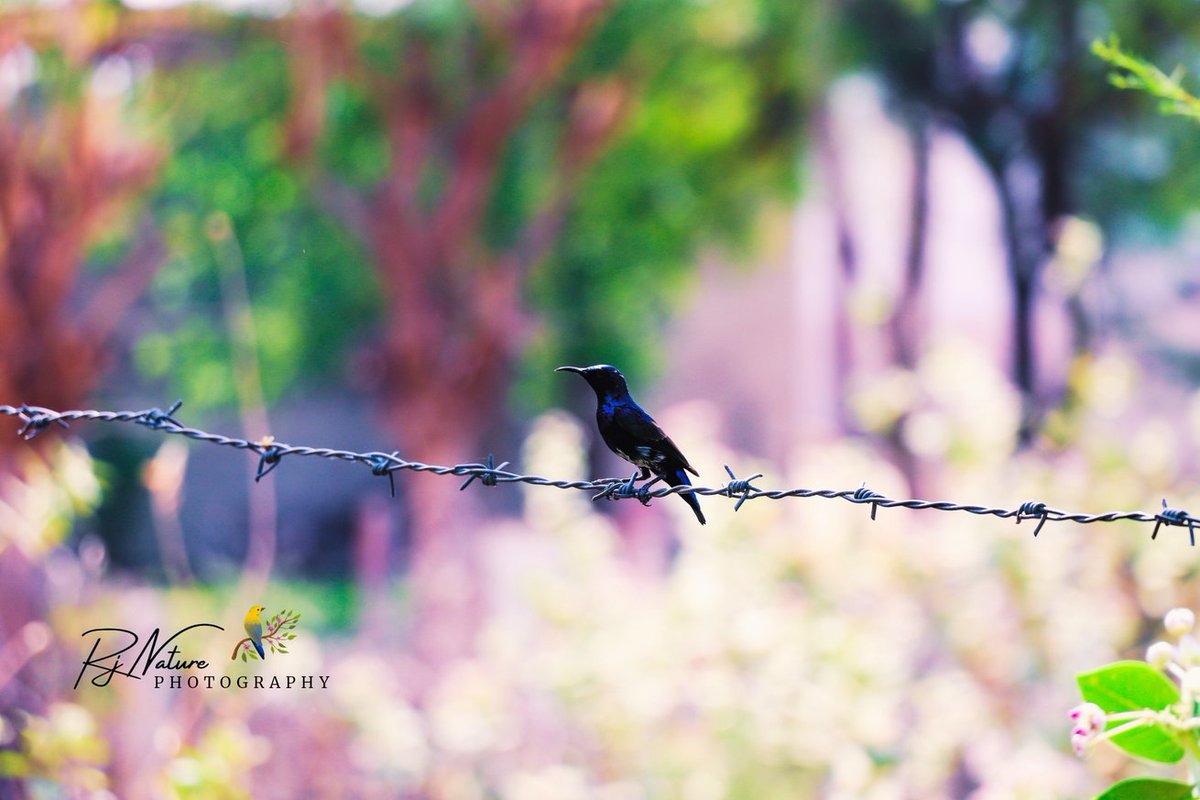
{"x":1134,"y":72}
{"x":1137,"y":707}
{"x":276,"y":637}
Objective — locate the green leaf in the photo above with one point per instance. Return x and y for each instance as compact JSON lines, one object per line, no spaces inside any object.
{"x":243,"y":655}
{"x":1133,"y":686}
{"x":1147,"y":789}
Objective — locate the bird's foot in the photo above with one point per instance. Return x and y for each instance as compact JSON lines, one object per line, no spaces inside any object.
{"x":619,"y":488}
{"x":643,"y":492}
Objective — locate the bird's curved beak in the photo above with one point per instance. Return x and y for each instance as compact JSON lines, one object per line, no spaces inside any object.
{"x":578,"y":370}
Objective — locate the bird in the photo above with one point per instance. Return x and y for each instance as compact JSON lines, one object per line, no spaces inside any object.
{"x":633,"y":434}
{"x":254,"y":629}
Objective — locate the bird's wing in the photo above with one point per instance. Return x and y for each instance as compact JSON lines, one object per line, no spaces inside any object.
{"x":254,"y":629}
{"x":641,"y":427}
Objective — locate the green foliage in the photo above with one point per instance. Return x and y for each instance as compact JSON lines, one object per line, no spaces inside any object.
{"x":1140,"y":180}
{"x":1147,"y":789}
{"x":1137,"y":184}
{"x":715,"y":134}
{"x":355,"y":147}
{"x":309,"y":279}
{"x":1134,"y":72}
{"x":1133,"y":686}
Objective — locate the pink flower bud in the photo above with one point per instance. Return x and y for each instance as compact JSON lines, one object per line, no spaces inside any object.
{"x":1089,"y":720}
{"x":1087,"y":714}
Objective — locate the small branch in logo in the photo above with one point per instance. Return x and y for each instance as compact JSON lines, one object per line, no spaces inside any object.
{"x":276,"y":636}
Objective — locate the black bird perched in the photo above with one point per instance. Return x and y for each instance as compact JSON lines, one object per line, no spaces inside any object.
{"x":633,"y":434}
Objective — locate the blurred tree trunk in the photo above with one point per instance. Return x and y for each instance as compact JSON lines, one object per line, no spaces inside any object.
{"x":1024,"y":266}
{"x":848,"y":267}
{"x":69,"y":169}
{"x":904,"y":323}
{"x":455,"y":316}
{"x":1054,"y":137}
{"x":1022,"y":112}
{"x":1030,"y":204}
{"x":1030,"y":212}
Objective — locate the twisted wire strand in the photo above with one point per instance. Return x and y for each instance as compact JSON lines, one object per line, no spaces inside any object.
{"x":37,"y":419}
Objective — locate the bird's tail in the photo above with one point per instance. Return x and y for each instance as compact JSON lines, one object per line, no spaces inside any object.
{"x":680,"y":478}
{"x":258,"y":646}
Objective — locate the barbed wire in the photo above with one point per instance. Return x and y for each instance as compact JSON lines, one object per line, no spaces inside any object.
{"x":270,"y":454}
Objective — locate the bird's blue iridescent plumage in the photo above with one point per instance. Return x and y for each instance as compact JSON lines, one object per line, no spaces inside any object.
{"x":633,"y":434}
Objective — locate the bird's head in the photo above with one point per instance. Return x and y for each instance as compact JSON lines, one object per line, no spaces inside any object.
{"x":255,"y":610}
{"x":605,"y":379}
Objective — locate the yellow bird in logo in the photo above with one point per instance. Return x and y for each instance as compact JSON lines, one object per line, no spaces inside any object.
{"x":254,"y":629}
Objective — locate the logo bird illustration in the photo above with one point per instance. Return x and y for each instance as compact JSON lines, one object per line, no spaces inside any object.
{"x":254,"y":629}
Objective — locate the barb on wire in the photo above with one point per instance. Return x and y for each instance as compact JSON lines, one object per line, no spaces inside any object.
{"x":35,"y":420}
{"x":382,"y":465}
{"x":1174,"y":516}
{"x":742,"y":487}
{"x":488,"y":476}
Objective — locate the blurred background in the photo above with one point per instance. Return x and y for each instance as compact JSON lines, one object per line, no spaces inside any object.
{"x":922,"y":245}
